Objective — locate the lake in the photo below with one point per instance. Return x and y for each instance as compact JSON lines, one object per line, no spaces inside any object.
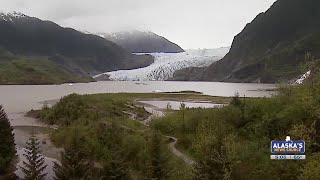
{"x":22,"y":98}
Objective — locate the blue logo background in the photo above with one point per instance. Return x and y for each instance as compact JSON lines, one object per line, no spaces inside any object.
{"x":302,"y":151}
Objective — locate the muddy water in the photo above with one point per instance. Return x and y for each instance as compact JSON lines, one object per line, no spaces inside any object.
{"x":22,"y":98}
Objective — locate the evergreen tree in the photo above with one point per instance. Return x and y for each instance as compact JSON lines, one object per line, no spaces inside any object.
{"x":183,"y":111}
{"x":34,"y":167}
{"x":75,"y":162}
{"x":7,"y":146}
{"x":236,"y":101}
{"x":158,"y":163}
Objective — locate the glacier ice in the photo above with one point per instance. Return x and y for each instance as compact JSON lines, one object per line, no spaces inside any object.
{"x":167,"y":63}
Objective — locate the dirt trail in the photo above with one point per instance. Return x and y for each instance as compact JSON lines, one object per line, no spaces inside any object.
{"x":171,"y":145}
{"x":176,"y":152}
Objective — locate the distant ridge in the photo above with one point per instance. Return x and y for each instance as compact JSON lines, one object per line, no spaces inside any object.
{"x":142,"y":42}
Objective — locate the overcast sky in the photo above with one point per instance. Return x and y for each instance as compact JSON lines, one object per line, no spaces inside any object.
{"x":189,"y":23}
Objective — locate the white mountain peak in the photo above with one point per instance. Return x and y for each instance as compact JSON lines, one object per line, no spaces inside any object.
{"x":11,"y":15}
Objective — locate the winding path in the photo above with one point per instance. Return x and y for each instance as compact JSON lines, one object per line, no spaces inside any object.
{"x":176,"y":152}
{"x":171,"y":145}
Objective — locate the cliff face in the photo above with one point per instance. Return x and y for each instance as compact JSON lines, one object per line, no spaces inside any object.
{"x":271,"y":47}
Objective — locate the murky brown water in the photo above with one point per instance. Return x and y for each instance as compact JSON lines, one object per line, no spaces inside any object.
{"x":22,"y":98}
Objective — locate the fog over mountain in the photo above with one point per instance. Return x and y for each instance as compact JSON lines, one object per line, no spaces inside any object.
{"x":191,"y":24}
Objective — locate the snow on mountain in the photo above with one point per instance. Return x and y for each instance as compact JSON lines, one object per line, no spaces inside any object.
{"x":10,"y":16}
{"x":167,"y":63}
{"x":137,"y":41}
{"x":124,"y":34}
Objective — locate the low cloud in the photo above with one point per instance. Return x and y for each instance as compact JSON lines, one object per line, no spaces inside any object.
{"x":190,"y":23}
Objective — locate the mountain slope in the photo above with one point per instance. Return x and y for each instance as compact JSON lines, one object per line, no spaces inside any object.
{"x":36,"y":70}
{"x":142,"y":42}
{"x":166,"y":64}
{"x":271,"y":47}
{"x":76,"y":52}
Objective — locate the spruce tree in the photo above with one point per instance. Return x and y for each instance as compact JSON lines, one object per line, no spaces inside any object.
{"x":183,"y":111}
{"x":34,"y":166}
{"x":157,"y":166}
{"x":75,"y":162}
{"x":7,"y":146}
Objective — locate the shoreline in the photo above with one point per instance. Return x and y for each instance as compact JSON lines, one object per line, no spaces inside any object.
{"x":140,"y":82}
{"x":22,"y":128}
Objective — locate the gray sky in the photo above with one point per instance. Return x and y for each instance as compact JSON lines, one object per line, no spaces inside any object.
{"x":189,"y":23}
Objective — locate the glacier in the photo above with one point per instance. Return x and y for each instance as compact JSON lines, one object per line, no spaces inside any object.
{"x":165,"y":64}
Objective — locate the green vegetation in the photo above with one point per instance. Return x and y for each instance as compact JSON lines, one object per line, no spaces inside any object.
{"x":7,"y":146}
{"x":83,"y":110}
{"x":233,"y":142}
{"x":75,"y":162}
{"x":35,"y":70}
{"x":34,"y":166}
{"x":99,"y":127}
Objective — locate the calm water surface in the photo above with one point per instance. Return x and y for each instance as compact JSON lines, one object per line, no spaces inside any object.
{"x":21,"y":98}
